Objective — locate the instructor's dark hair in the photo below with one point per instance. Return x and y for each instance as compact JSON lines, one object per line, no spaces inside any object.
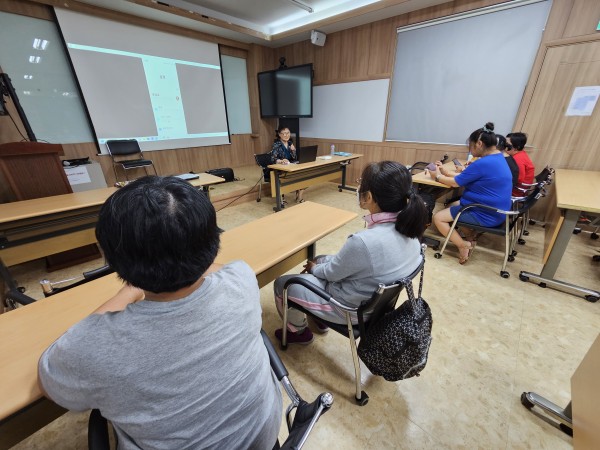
{"x":390,"y":184}
{"x":160,"y":234}
{"x":485,"y":135}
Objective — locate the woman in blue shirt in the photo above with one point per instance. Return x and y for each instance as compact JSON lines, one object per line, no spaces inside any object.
{"x":284,"y":152}
{"x":487,"y":180}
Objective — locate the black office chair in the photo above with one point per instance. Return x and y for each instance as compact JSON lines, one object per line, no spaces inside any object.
{"x":263,"y":160}
{"x":545,"y":176}
{"x":120,"y":149}
{"x":299,"y":426}
{"x":381,"y":302}
{"x":508,"y":229}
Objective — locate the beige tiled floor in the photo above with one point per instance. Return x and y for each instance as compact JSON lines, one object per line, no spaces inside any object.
{"x":493,"y":338}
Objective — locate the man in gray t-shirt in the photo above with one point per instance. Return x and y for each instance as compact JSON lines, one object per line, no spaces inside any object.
{"x":178,"y":360}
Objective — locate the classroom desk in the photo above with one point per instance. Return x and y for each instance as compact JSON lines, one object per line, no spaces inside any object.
{"x":573,"y":192}
{"x":26,"y":332}
{"x":291,"y":177}
{"x":40,"y":227}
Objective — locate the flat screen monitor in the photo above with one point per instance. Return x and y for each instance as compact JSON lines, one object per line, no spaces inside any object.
{"x":286,"y":92}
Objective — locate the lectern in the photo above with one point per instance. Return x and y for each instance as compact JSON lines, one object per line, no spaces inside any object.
{"x":34,"y":169}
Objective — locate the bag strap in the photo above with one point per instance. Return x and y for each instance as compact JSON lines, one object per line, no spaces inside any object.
{"x":408,"y":282}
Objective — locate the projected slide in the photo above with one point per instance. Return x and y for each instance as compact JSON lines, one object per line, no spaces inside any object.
{"x":165,"y":91}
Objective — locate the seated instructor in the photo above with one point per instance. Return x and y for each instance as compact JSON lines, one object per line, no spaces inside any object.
{"x":175,"y":359}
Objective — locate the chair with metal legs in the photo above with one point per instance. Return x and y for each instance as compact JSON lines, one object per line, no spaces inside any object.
{"x":368,"y":313}
{"x":508,"y":228}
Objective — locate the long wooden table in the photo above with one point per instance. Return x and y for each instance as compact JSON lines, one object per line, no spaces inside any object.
{"x":573,"y":192}
{"x":291,"y":177}
{"x":26,"y":332}
{"x":40,"y":227}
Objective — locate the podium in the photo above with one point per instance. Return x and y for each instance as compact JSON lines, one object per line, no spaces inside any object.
{"x":34,"y":170}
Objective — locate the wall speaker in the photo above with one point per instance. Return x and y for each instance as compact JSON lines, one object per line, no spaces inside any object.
{"x":318,"y":38}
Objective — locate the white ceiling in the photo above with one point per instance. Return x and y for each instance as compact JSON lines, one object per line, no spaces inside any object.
{"x":273,"y":23}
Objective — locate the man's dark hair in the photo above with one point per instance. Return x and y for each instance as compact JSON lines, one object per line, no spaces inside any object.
{"x":518,"y":140}
{"x":160,"y":234}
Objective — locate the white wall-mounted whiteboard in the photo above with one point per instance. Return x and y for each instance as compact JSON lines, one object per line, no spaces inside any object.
{"x":351,"y":111}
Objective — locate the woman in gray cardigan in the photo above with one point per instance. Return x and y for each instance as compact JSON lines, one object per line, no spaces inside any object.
{"x":387,"y":250}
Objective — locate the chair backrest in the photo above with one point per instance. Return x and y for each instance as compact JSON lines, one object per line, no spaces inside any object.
{"x":264,"y":160}
{"x":384,"y":299}
{"x":532,"y":198}
{"x":418,"y":167}
{"x":123,"y":147}
{"x":545,"y":175}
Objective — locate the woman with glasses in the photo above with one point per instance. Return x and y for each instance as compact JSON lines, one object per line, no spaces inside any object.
{"x":284,"y":152}
{"x":386,"y":251}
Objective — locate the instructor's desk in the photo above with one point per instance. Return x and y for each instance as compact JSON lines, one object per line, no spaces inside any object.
{"x":26,"y":332}
{"x":291,"y":177}
{"x":32,"y":229}
{"x":573,"y":192}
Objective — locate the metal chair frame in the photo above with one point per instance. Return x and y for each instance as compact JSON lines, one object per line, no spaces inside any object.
{"x":383,"y":300}
{"x":508,"y":229}
{"x":128,"y":164}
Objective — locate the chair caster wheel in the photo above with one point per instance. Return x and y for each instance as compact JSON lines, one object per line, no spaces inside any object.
{"x":437,"y":255}
{"x":521,"y":241}
{"x":504,"y":274}
{"x":22,"y":289}
{"x":258,"y":199}
{"x":577,"y":231}
{"x":523,"y":277}
{"x":596,"y":258}
{"x":514,"y":253}
{"x":594,"y":236}
{"x":511,"y":258}
{"x":435,"y":247}
{"x":283,"y":347}
{"x":525,"y":233}
{"x":592,"y":298}
{"x":531,"y":222}
{"x":525,"y":401}
{"x":363,"y":400}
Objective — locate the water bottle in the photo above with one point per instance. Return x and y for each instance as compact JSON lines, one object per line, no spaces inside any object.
{"x":332,"y":149}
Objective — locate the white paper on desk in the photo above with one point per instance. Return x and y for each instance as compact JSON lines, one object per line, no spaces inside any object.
{"x":583,"y":101}
{"x":78,"y":175}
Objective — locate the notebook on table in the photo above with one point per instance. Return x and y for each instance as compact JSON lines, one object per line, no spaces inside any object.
{"x":307,"y":154}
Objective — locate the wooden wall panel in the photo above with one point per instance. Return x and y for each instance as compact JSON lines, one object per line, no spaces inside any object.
{"x":583,"y":18}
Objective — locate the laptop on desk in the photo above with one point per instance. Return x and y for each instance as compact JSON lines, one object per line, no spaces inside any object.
{"x":307,"y":154}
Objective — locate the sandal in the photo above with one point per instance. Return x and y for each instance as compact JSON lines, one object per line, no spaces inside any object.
{"x":462,"y":260}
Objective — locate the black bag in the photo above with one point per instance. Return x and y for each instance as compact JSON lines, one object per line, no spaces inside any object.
{"x":225,"y":172}
{"x":397,"y":346}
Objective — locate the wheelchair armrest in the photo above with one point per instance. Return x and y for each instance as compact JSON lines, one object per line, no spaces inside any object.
{"x":276,"y":363}
{"x":318,"y":291}
{"x":305,"y":419}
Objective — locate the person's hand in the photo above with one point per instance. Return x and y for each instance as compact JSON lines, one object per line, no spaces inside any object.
{"x":434,"y":173}
{"x":309,"y":266}
{"x":459,"y":169}
{"x":292,"y":148}
{"x":282,"y":161}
